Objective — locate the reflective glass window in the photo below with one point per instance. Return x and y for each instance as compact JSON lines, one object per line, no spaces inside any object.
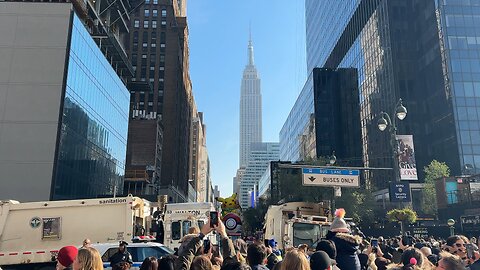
{"x":94,"y":124}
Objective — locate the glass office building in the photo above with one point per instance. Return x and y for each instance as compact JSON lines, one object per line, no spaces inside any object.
{"x":425,"y":52}
{"x":65,"y":113}
{"x":297,"y":122}
{"x":459,"y":24}
{"x":324,"y":26}
{"x":93,"y":135}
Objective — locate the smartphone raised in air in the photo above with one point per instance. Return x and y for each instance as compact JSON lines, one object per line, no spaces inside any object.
{"x":213,"y":218}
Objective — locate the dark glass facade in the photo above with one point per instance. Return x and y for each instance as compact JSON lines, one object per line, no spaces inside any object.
{"x":337,"y":120}
{"x":93,"y":133}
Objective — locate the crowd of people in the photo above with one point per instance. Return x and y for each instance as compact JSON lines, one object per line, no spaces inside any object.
{"x":340,"y":249}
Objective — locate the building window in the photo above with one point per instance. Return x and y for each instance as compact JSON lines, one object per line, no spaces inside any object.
{"x":164,"y":22}
{"x":144,"y":56}
{"x":136,"y":24}
{"x":134,"y":68}
{"x":162,"y":68}
{"x":162,"y":45}
{"x":147,"y":1}
{"x":152,"y":68}
{"x":147,"y":13}
{"x":151,"y":80}
{"x":162,"y":58}
{"x":135,"y":36}
{"x":154,"y":24}
{"x":155,"y":2}
{"x":164,"y":13}
{"x":134,"y":58}
{"x":135,"y":45}
{"x":155,"y":13}
{"x":145,"y":45}
{"x":154,"y":45}
{"x":145,"y":24}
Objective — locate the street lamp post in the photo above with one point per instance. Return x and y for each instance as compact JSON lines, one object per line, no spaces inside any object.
{"x":451,"y":225}
{"x":384,"y":122}
{"x":337,"y":191}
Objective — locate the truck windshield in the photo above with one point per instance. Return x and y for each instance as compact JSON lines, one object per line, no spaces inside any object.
{"x":185,"y":227}
{"x":306,"y":233}
{"x":176,"y":233}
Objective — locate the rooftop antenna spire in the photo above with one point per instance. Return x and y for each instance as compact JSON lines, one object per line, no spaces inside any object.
{"x":250,"y":46}
{"x":250,"y":31}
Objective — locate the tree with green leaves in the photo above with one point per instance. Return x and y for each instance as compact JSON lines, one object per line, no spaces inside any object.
{"x":403,"y":216}
{"x":435,"y":170}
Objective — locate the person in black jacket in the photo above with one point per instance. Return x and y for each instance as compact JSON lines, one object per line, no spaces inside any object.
{"x":121,"y":258}
{"x":345,"y":243}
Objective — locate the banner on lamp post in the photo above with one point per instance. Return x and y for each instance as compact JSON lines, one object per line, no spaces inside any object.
{"x":406,"y":158}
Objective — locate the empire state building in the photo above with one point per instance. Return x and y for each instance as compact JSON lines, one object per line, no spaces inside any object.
{"x":250,"y":108}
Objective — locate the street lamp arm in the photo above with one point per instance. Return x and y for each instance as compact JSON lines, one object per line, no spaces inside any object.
{"x":392,"y":127}
{"x":387,"y":117}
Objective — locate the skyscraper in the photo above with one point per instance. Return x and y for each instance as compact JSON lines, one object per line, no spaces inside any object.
{"x":162,"y":103}
{"x":425,"y":52}
{"x":250,"y":108}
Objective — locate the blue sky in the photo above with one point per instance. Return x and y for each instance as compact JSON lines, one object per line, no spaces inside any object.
{"x":218,"y":38}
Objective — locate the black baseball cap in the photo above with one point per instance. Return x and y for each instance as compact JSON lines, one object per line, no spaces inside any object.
{"x":320,"y":261}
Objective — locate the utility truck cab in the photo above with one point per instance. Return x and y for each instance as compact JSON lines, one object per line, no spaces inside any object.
{"x":180,"y":217}
{"x":295,"y":223}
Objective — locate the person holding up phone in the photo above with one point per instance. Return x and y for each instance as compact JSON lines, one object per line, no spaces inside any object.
{"x":374,"y":244}
{"x":213,"y":218}
{"x":473,"y":257}
{"x":196,"y":245}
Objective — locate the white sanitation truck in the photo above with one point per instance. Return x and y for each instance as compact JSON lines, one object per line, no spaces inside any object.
{"x":295,"y":223}
{"x":32,"y":233}
{"x":180,"y":217}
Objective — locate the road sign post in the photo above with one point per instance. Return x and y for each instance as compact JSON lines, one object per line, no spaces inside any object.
{"x":330,"y":177}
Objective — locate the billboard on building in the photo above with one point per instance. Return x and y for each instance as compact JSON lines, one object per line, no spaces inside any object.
{"x":406,"y":158}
